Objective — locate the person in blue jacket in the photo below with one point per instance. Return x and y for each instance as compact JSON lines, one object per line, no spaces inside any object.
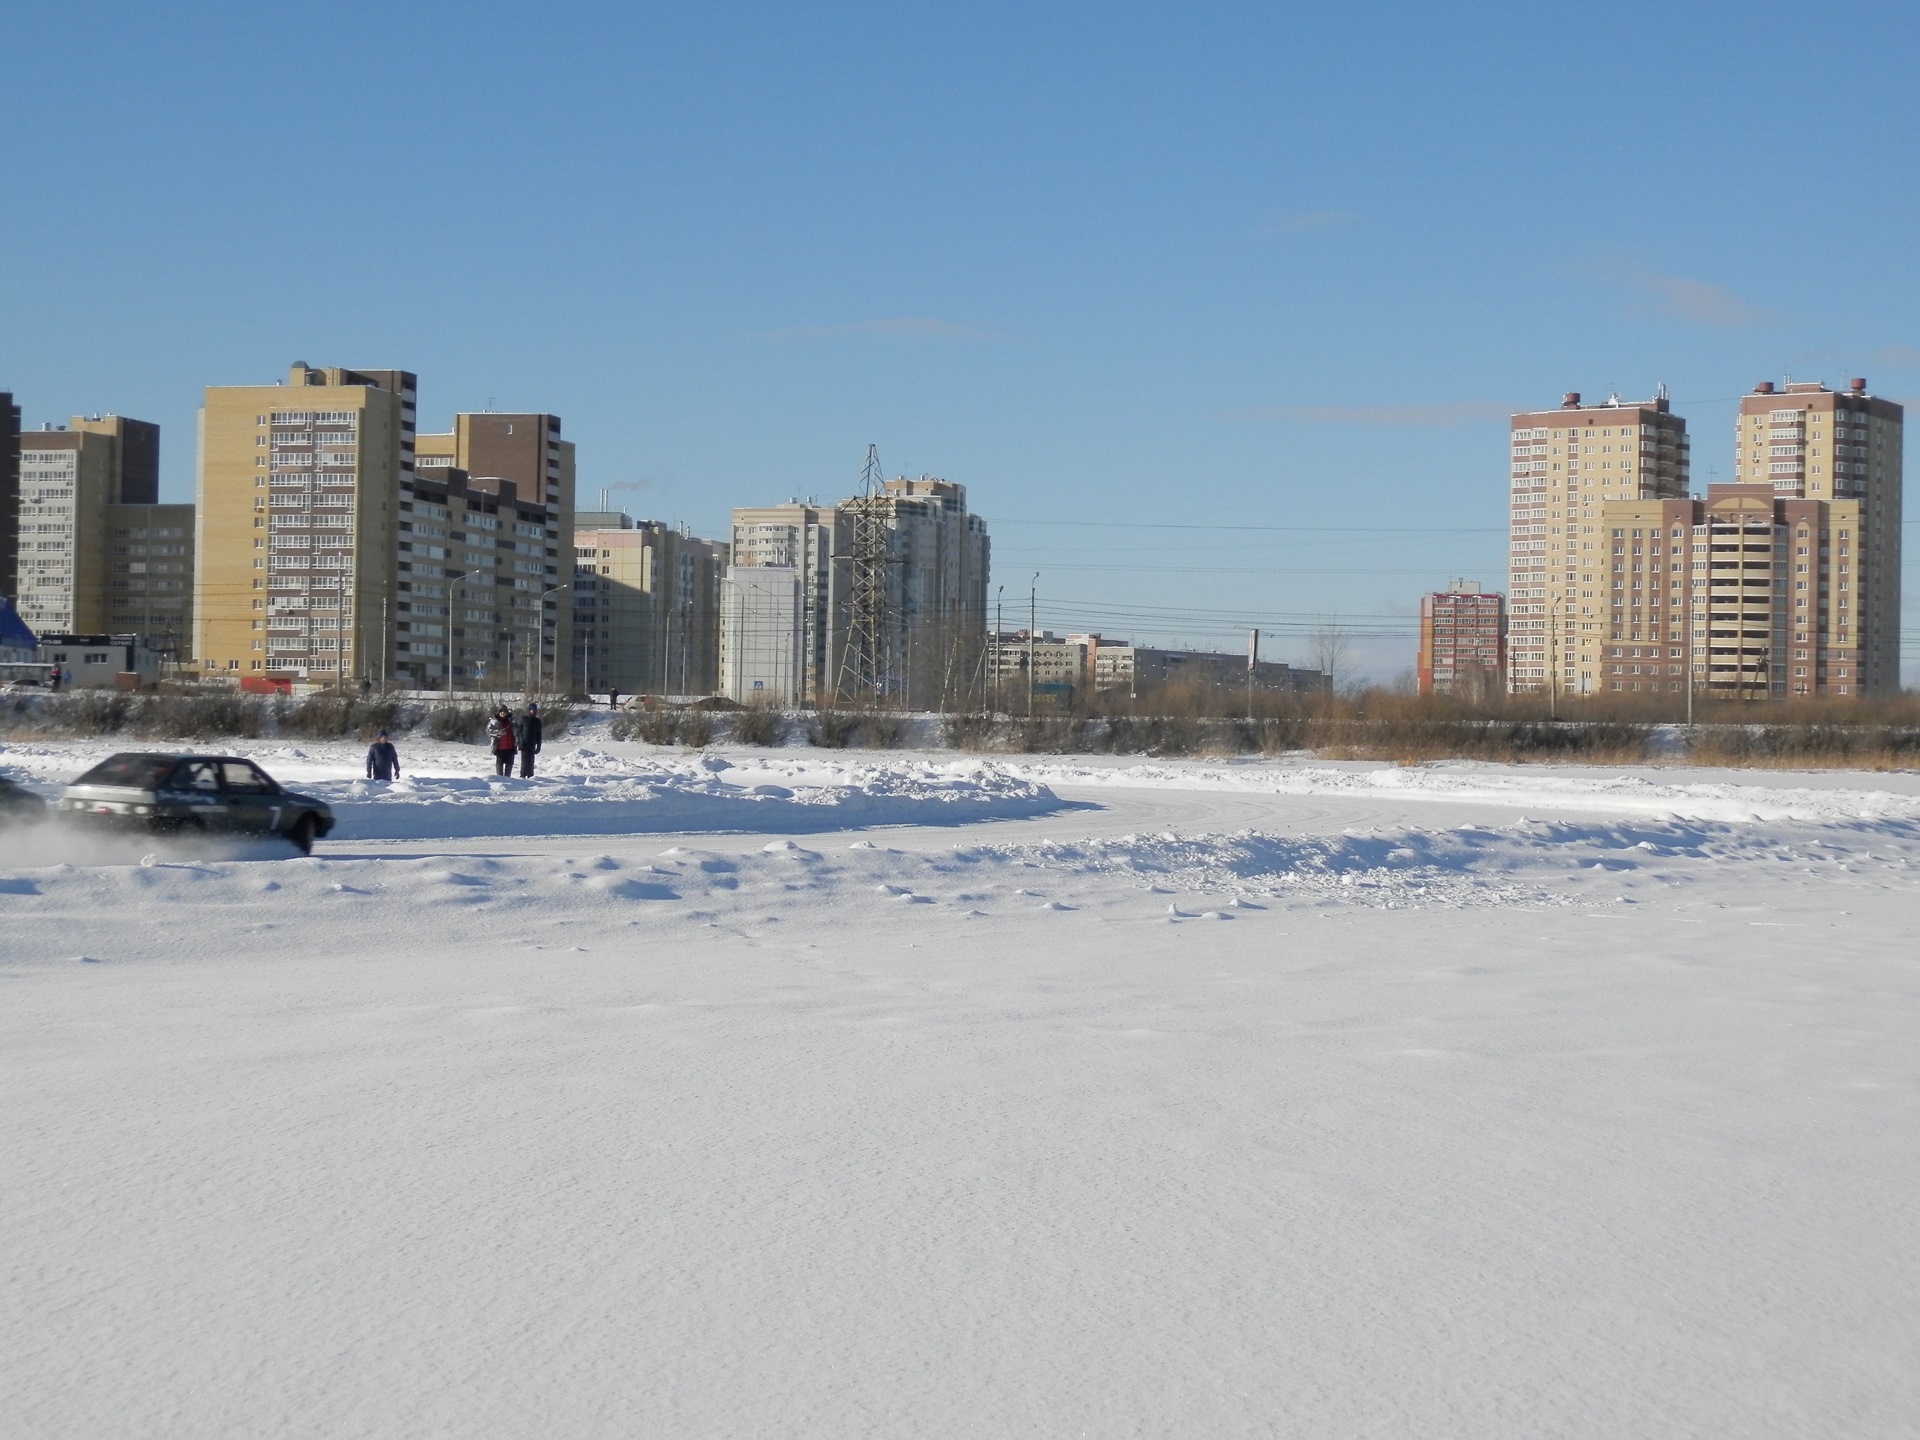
{"x":383,"y":761}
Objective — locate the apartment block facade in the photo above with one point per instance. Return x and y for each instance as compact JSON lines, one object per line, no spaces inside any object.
{"x":1565,"y":466}
{"x":1463,"y":636}
{"x":296,"y":526}
{"x":1842,"y":453}
{"x":96,"y":552}
{"x":484,"y":584}
{"x":935,"y":580}
{"x":766,"y":624}
{"x":1784,"y":584}
{"x":9,"y":496}
{"x":646,"y":606}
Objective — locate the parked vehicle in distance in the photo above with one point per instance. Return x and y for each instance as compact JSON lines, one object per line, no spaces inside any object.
{"x":19,"y":805}
{"x":176,"y":794}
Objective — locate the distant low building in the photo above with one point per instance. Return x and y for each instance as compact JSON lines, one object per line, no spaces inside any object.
{"x":101,"y":662}
{"x":1463,"y":639}
{"x":1140,"y":669}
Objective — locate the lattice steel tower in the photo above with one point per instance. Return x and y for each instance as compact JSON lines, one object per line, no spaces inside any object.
{"x":863,"y":668}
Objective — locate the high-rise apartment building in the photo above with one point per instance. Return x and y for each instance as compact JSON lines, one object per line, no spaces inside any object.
{"x":9,"y":496}
{"x":1839,"y":456}
{"x":646,"y":606}
{"x":1566,"y":465}
{"x":296,"y":528}
{"x":935,"y":583}
{"x":1783,"y":584}
{"x":1462,"y":641}
{"x":513,"y":572}
{"x":96,"y":553}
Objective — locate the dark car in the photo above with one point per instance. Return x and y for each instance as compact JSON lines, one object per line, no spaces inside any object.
{"x":19,"y":805}
{"x":175,"y":794}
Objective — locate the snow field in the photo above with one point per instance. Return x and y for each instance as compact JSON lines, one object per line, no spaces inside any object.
{"x":1377,"y":1115}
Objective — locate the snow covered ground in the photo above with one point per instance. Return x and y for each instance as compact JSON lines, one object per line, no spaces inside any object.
{"x":798,"y":1093}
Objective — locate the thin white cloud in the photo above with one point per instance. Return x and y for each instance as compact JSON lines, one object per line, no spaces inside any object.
{"x":1677,"y":297}
{"x":1465,"y":412}
{"x":1888,"y":357}
{"x":899,"y":327}
{"x":1303,"y":222}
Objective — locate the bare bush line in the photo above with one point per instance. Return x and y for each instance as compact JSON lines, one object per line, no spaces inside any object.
{"x":95,"y":714}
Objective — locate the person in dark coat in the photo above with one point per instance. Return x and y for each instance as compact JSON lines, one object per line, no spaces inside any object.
{"x":526,"y":733}
{"x":383,"y":761}
{"x":501,"y":741}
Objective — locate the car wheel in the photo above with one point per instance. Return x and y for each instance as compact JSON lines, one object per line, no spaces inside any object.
{"x":302,"y":834}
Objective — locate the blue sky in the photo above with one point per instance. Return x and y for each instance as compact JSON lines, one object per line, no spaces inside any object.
{"x":1276,"y":273}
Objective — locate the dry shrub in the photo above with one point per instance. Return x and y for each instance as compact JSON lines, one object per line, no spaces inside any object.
{"x":696,"y":728}
{"x":759,"y":725}
{"x":967,"y":732}
{"x":654,"y":727}
{"x":883,"y":732}
{"x":462,"y":724}
{"x":833,"y":729}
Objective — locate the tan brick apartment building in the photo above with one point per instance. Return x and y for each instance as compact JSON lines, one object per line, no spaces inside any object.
{"x":646,"y":606}
{"x":1567,"y":464}
{"x":97,"y":552}
{"x":299,"y":492}
{"x":1782,"y":584}
{"x":1462,"y":641}
{"x":486,"y":583}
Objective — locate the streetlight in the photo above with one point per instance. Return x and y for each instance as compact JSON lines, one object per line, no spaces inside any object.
{"x":451,"y":575}
{"x":539,"y":619}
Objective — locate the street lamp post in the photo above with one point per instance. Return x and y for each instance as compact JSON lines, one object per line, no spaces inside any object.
{"x":537,"y":628}
{"x":452,"y":575}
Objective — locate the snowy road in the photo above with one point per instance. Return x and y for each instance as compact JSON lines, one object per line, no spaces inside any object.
{"x":1244,"y":1104}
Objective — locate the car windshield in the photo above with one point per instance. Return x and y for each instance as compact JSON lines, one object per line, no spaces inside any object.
{"x":136,"y":772}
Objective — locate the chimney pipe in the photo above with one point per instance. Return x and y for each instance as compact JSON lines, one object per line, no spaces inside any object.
{"x":1765,"y":387}
{"x":1570,"y":400}
{"x":1859,"y":386}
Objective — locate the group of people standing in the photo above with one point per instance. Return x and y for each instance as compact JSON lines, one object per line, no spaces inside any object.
{"x":509,"y":735}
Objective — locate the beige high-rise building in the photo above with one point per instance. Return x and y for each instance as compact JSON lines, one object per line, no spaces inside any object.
{"x":646,"y":606}
{"x":96,"y":553}
{"x":1781,"y":585}
{"x":1844,"y":450}
{"x":299,"y":491}
{"x":1566,"y":465}
{"x":509,"y":601}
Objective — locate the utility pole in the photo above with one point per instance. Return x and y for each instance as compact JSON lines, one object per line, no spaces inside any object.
{"x":1033,"y":610}
{"x":1253,"y":664}
{"x":999,"y":622}
{"x":1553,"y":662}
{"x":452,"y":577}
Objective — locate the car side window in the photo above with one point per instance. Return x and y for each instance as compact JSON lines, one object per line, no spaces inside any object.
{"x":196,"y":775}
{"x":243,"y":777}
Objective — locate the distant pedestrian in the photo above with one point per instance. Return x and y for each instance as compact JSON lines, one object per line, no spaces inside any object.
{"x":500,"y":739}
{"x":53,"y":680}
{"x":383,"y":761}
{"x":526,"y":734}
{"x":613,"y":699}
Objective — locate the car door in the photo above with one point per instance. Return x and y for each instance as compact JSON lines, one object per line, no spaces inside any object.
{"x":252,"y":800}
{"x":194,"y":795}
